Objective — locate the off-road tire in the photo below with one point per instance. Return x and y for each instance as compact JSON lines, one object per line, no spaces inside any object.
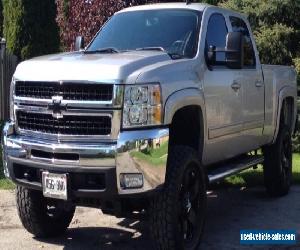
{"x":34,"y":214}
{"x":278,"y":164}
{"x":164,"y":211}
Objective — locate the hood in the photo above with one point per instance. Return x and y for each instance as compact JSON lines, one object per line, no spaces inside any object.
{"x":78,"y":66}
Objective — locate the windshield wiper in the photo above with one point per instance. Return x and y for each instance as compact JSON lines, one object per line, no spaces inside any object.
{"x":173,"y":56}
{"x":103,"y":50}
{"x":151,"y":48}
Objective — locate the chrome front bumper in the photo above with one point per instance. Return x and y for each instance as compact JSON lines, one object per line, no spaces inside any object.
{"x":141,"y":152}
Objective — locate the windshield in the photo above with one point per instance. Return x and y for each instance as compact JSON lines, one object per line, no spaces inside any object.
{"x":174,"y":31}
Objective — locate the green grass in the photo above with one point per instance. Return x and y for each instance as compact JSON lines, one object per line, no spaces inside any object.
{"x":254,"y":177}
{"x":156,"y":156}
{"x":4,"y":183}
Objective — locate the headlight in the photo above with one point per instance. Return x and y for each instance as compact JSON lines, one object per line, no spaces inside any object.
{"x":142,"y":106}
{"x":11,"y":100}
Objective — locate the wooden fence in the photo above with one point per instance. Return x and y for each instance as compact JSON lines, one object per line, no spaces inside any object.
{"x":8,"y":64}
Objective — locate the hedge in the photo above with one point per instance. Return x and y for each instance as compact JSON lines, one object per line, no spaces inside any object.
{"x":30,"y":28}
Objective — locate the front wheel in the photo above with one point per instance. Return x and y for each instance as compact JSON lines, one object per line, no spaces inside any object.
{"x":278,"y":164}
{"x":178,"y":212}
{"x":40,"y":216}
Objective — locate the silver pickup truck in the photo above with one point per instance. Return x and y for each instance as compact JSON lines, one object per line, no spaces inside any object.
{"x":166,"y":99}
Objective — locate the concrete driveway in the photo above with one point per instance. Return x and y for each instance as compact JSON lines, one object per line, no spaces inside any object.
{"x":229,"y":210}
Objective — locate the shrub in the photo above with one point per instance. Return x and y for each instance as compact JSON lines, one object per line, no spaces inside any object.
{"x":274,"y":44}
{"x":276,"y":25}
{"x":30,"y":28}
{"x":83,"y":18}
{"x":296,"y":62}
{"x":1,"y":18}
{"x":86,"y":17}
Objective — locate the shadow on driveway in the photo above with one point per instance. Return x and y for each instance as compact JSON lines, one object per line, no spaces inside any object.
{"x":229,"y":211}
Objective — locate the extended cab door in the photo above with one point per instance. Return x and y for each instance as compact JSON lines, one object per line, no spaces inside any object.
{"x":252,"y":82}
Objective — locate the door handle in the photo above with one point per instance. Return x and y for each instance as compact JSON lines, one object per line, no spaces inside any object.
{"x":236,"y":85}
{"x":259,"y":84}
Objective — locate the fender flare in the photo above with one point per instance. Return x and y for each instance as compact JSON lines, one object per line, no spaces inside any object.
{"x":181,"y":99}
{"x":285,"y":92}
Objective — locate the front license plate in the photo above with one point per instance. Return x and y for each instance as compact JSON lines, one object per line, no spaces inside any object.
{"x":55,"y":185}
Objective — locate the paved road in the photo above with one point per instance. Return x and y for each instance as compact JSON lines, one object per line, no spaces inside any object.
{"x":228,"y":211}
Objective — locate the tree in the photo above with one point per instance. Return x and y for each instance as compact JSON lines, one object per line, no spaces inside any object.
{"x":297,"y":67}
{"x":274,"y":43}
{"x":83,"y":18}
{"x":86,"y":17}
{"x":276,"y":26}
{"x":30,"y":28}
{"x":1,"y":18}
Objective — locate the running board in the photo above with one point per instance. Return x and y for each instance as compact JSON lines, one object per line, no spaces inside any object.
{"x":233,"y":167}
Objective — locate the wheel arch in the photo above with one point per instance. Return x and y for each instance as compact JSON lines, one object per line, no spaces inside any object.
{"x":185,"y":116}
{"x":286,"y":111}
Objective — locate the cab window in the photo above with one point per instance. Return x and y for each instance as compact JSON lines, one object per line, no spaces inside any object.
{"x":216,"y":35}
{"x":238,"y":25}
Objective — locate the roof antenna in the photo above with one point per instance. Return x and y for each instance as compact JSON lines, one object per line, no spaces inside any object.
{"x":188,"y":1}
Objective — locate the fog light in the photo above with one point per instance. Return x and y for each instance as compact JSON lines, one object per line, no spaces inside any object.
{"x":133,"y":180}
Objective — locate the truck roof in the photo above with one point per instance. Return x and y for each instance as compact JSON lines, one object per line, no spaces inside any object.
{"x":180,"y":5}
{"x":183,"y":5}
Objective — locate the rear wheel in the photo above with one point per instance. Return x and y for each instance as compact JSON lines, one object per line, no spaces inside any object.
{"x":43,"y":217}
{"x":178,"y":213}
{"x":278,"y":164}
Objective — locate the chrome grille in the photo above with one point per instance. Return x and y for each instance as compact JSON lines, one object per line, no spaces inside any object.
{"x":68,"y":110}
{"x":67,"y":90}
{"x":68,"y":125}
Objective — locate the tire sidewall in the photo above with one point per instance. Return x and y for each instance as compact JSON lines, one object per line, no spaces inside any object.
{"x":179,"y":160}
{"x":284,"y":180}
{"x":277,"y":181}
{"x":187,"y":163}
{"x":32,"y":210}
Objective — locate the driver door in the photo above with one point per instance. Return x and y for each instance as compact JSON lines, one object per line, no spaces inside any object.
{"x":223,"y":98}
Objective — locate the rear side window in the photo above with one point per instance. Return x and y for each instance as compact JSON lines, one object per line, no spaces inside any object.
{"x":238,"y":25}
{"x":216,"y":34}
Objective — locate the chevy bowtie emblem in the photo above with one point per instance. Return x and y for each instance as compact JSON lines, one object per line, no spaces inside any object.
{"x":57,"y":107}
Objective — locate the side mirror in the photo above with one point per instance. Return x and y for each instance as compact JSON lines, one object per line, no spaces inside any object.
{"x":235,"y":50}
{"x":79,"y":43}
